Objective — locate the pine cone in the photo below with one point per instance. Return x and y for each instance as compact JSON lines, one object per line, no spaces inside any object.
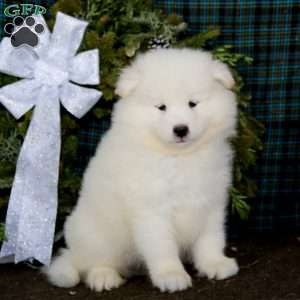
{"x":159,"y":42}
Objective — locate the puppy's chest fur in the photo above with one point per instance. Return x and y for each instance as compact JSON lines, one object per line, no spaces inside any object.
{"x":178,"y":179}
{"x":185,"y":188}
{"x":181,"y":187}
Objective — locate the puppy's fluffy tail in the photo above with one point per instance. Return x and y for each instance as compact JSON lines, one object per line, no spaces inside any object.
{"x":62,"y":272}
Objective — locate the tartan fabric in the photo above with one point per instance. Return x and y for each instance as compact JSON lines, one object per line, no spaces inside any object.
{"x":268,"y":31}
{"x":91,"y":130}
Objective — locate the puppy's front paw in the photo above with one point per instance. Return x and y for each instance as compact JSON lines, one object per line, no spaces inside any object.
{"x":220,"y":268}
{"x":172,"y":280}
{"x":103,"y":278}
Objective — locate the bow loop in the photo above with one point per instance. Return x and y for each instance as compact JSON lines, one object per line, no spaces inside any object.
{"x":42,"y":47}
{"x":78,"y":100}
{"x":66,"y":38}
{"x":20,"y":97}
{"x":85,"y":67}
{"x":16,"y":61}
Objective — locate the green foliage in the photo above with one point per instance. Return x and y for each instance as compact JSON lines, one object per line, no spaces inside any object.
{"x":239,"y":204}
{"x":9,"y":149}
{"x":247,"y":142}
{"x":246,"y":146}
{"x":11,"y":136}
{"x":121,"y":29}
{"x":2,"y":233}
{"x":199,"y":40}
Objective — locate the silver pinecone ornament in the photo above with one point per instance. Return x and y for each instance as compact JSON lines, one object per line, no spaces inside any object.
{"x":159,"y":42}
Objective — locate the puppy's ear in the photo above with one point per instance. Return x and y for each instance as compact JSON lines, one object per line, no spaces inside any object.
{"x":222,"y":74}
{"x":127,"y":82}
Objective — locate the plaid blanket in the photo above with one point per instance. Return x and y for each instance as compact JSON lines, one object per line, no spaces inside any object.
{"x":268,"y":31}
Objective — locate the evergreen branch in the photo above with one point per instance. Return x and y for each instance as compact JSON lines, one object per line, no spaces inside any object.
{"x":2,"y":232}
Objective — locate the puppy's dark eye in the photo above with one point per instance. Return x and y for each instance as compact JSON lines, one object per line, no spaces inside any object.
{"x":192,"y":104}
{"x":162,"y":107}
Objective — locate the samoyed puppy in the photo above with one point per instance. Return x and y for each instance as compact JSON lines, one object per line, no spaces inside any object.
{"x":156,"y":191}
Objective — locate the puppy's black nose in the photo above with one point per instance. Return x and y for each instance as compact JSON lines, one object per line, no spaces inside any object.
{"x":181,"y":130}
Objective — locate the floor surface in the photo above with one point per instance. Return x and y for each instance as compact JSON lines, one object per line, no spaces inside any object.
{"x":269,"y":270}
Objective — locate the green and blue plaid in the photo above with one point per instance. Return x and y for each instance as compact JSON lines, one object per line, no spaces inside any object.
{"x":267,"y":30}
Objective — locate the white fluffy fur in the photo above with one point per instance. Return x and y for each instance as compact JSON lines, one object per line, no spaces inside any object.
{"x":146,"y":198}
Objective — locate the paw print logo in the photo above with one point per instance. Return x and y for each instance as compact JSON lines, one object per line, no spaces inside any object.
{"x":24,"y":32}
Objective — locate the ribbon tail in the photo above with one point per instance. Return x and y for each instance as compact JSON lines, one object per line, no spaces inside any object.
{"x":30,"y":221}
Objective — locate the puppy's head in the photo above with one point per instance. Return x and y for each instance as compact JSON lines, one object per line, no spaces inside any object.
{"x":177,"y":97}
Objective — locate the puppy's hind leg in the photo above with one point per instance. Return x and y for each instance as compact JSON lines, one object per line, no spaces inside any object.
{"x":62,"y":271}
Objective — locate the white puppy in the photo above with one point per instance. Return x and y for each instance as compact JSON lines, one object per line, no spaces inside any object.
{"x":157,"y":188}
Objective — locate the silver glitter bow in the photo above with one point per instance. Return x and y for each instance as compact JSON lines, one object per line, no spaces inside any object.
{"x":48,"y":70}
